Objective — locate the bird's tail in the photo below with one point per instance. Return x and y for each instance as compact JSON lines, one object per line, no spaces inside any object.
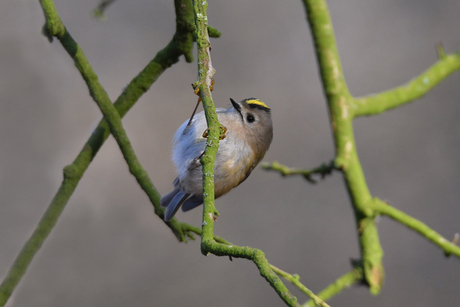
{"x":172,"y":202}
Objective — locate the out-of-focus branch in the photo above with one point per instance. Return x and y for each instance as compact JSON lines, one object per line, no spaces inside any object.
{"x":338,"y":286}
{"x":414,"y":89}
{"x":295,"y":279}
{"x":380,"y":207}
{"x":181,"y":44}
{"x":322,"y":170}
{"x":99,"y":11}
{"x":343,"y":108}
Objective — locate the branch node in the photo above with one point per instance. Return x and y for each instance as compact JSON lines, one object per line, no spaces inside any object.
{"x":455,"y":239}
{"x":453,"y":242}
{"x":69,"y":172}
{"x":213,"y":32}
{"x":440,"y":50}
{"x":323,"y":170}
{"x":46,"y":32}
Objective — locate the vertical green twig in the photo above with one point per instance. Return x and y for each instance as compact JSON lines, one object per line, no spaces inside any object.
{"x":205,"y":74}
{"x":208,"y":244}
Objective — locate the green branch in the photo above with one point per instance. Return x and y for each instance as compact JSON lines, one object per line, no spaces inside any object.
{"x":416,"y":88}
{"x":323,"y":170}
{"x":343,"y":108}
{"x":181,"y":44}
{"x":111,"y":115}
{"x":341,"y":115}
{"x":198,"y":231}
{"x":208,"y":244}
{"x":259,"y":259}
{"x":202,"y":86}
{"x":342,"y":283}
{"x":326,"y":51}
{"x":381,"y":207}
{"x":295,"y":279}
{"x":104,"y":4}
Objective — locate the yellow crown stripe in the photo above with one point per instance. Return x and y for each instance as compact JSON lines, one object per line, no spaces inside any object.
{"x":257,"y":102}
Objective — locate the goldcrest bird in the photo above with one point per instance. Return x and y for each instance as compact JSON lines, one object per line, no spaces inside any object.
{"x":247,"y":138}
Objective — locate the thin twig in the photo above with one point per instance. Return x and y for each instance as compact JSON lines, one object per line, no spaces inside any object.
{"x":295,"y":279}
{"x":338,"y":286}
{"x":181,"y":44}
{"x":380,"y":207}
{"x":322,"y":170}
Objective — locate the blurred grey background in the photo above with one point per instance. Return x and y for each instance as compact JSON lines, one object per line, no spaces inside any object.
{"x":108,"y":248}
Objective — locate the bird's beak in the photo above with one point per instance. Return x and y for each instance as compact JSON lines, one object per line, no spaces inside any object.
{"x":236,"y":105}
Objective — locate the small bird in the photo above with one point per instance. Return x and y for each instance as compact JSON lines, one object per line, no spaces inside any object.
{"x":248,"y":135}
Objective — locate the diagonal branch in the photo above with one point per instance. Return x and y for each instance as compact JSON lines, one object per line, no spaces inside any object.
{"x":342,"y":283}
{"x":181,"y":44}
{"x":381,"y":207}
{"x":295,"y":279}
{"x":111,"y":116}
{"x":323,"y":170}
{"x":416,"y":88}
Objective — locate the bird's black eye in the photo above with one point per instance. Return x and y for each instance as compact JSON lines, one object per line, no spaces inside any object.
{"x":250,"y":118}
